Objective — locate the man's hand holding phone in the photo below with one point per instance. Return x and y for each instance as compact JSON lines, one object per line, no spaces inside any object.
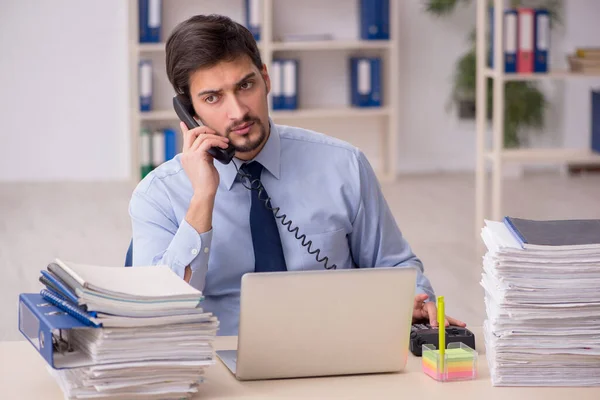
{"x":200,"y":169}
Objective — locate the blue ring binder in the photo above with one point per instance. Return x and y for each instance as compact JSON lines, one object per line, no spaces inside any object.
{"x":43,"y":324}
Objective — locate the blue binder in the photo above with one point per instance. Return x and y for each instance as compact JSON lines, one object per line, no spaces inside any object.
{"x":289,"y":88}
{"x":170,"y":144}
{"x":384,"y":19}
{"x":595,"y":121}
{"x":510,"y":40}
{"x":374,"y":19}
{"x":150,"y":20}
{"x":365,"y":81}
{"x":277,"y":84}
{"x":375,"y":97}
{"x":541,"y":40}
{"x":44,"y":325}
{"x":360,"y":81}
{"x":253,"y":18}
{"x":145,"y":85}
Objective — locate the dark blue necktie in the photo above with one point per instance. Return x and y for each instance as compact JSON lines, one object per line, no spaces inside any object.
{"x":268,"y":252}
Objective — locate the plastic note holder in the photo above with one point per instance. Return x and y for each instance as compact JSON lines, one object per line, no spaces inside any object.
{"x":459,"y":364}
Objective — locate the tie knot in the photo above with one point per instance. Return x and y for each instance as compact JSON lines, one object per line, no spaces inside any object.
{"x":253,"y":169}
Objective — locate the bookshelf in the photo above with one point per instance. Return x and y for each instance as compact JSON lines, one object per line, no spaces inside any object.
{"x":311,"y":113}
{"x":497,"y":155}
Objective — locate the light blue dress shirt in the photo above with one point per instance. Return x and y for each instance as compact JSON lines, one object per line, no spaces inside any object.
{"x":324,"y":185}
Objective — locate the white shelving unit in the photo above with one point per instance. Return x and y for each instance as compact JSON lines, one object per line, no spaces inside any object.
{"x":386,"y":115}
{"x":497,"y":155}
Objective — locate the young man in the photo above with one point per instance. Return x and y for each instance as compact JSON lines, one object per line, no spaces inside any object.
{"x":195,"y":214}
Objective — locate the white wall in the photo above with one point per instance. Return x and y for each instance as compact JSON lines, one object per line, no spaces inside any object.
{"x":53,"y":52}
{"x":63,"y":97}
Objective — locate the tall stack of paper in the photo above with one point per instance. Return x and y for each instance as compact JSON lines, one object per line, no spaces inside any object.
{"x":148,"y":338}
{"x":542,"y":297}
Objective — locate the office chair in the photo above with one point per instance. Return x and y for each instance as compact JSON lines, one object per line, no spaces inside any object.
{"x":129,"y":255}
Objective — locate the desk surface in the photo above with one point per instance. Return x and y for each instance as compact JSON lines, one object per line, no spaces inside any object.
{"x":23,"y":375}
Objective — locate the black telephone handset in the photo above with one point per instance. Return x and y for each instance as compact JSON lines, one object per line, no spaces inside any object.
{"x":184,"y":110}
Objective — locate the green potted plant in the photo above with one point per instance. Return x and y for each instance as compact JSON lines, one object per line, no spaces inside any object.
{"x":525,"y":104}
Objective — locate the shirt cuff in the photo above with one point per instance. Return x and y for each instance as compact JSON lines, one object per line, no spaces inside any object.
{"x":187,"y":245}
{"x":428,"y":292}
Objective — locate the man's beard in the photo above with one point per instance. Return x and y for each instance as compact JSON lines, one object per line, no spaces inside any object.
{"x":249,"y":144}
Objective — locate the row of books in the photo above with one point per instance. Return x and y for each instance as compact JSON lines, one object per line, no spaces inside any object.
{"x":156,"y":147}
{"x":365,"y":83}
{"x":526,"y":40}
{"x":116,"y":333}
{"x":374,"y":19}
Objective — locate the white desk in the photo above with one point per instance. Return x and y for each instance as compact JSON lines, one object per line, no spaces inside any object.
{"x":23,"y":375}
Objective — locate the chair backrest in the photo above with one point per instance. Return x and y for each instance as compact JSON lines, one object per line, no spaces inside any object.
{"x":129,"y":255}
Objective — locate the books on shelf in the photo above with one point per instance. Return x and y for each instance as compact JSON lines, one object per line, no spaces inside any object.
{"x":136,"y":332}
{"x":542,"y":303}
{"x":365,"y":81}
{"x":526,"y":40}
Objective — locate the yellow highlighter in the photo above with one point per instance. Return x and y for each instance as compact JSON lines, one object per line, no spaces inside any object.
{"x":442,"y":332}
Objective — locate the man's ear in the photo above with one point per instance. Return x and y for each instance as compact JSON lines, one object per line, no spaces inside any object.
{"x":266,"y":77}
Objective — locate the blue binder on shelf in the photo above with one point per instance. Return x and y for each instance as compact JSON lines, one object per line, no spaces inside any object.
{"x":277,"y":84}
{"x":541,"y":40}
{"x":510,"y":40}
{"x":595,"y":142}
{"x":150,"y":20}
{"x":145,"y":85}
{"x":374,"y":19}
{"x":365,"y":81}
{"x":45,"y":325}
{"x":170,"y":144}
{"x":253,"y":18}
{"x":289,"y":86}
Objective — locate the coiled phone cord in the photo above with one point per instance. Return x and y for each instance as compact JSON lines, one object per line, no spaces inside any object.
{"x":282,"y":217}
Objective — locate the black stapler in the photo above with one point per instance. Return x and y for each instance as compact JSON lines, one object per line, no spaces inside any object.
{"x":421,"y":334}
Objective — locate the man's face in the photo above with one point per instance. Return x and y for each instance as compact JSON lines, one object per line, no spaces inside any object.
{"x":231,"y":98}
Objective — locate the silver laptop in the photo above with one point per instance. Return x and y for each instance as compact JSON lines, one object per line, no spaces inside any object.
{"x":320,"y":323}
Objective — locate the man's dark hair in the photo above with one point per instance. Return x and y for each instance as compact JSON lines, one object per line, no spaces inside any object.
{"x":203,"y":41}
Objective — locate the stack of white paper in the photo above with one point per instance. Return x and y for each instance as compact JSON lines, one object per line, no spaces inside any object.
{"x":543,"y":311}
{"x":155,"y":341}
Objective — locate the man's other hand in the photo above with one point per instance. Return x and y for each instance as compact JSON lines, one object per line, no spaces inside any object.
{"x":428,"y":310}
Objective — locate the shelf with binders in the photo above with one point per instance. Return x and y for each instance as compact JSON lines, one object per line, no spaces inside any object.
{"x":348,"y":83}
{"x":287,"y":28}
{"x":520,"y":39}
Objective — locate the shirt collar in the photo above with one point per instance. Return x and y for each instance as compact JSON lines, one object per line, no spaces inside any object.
{"x":269,"y":157}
